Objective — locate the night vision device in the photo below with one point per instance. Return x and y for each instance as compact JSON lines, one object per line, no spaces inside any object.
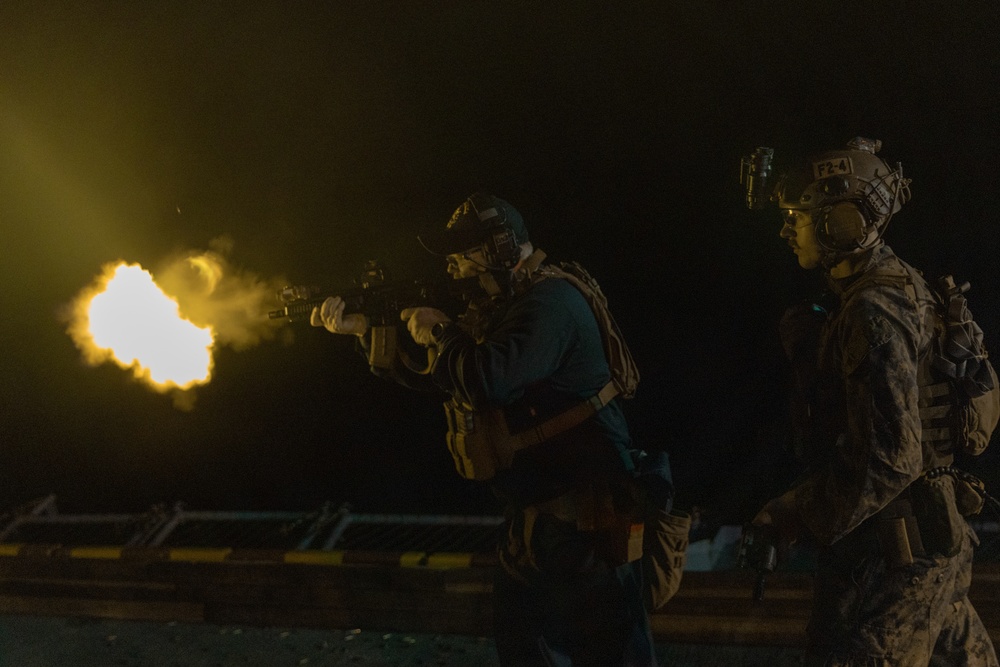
{"x":755,"y":174}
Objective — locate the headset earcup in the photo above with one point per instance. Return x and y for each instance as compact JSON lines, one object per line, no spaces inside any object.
{"x":503,"y":248}
{"x":844,"y":225}
{"x":500,"y":245}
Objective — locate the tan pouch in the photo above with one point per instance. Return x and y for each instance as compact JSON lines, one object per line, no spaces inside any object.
{"x":969,"y":496}
{"x":977,"y":418}
{"x":479,"y":441}
{"x":665,"y":543}
{"x":382,"y":350}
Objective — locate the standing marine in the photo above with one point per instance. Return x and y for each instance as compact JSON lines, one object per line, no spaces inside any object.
{"x":894,"y":382}
{"x":534,"y":371}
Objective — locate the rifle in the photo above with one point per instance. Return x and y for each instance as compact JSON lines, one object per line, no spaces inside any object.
{"x":379,"y":300}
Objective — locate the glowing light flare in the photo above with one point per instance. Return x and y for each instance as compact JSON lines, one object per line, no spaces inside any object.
{"x":127,"y":318}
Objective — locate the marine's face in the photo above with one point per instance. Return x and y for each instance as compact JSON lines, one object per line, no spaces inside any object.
{"x":466,"y":264}
{"x":800,"y":232}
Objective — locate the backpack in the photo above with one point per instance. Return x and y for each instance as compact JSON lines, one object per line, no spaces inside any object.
{"x":958,"y":388}
{"x":961,"y":356}
{"x":624,"y":373}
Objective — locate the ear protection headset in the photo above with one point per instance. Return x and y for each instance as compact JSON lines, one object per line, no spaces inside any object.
{"x":841,"y":225}
{"x":500,"y":247}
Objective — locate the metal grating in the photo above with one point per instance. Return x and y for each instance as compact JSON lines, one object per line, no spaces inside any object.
{"x":237,"y":530}
{"x":73,"y":531}
{"x":325,"y":529}
{"x":430,"y":534}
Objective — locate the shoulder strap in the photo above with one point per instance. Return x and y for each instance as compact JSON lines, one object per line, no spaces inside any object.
{"x":566,"y":420}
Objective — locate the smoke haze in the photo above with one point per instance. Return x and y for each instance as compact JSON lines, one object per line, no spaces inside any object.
{"x":212,"y":292}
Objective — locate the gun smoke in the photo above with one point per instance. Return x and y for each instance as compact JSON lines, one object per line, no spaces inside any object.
{"x":211,"y":292}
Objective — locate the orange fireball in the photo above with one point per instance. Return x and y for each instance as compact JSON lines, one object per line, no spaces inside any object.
{"x":127,"y":318}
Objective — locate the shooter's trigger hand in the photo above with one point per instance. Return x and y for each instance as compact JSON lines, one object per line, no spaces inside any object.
{"x":420,"y":323}
{"x":330,"y":315}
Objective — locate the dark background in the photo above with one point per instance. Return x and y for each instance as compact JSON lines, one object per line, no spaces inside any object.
{"x":318,"y":135}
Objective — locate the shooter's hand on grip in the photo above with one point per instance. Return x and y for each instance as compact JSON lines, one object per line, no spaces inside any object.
{"x":420,"y":323}
{"x":330,"y":315}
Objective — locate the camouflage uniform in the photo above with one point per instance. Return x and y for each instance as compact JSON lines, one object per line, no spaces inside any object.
{"x":863,"y":453}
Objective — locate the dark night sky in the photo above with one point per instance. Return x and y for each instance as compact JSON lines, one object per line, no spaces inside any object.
{"x":318,"y":135}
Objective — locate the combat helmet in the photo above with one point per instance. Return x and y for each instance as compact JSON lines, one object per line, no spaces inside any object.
{"x":851,"y":192}
{"x":481,"y":221}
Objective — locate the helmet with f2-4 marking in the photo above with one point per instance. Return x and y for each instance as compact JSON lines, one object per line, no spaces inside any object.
{"x":852,"y":193}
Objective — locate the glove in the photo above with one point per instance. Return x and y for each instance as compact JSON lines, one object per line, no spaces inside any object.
{"x":330,"y":315}
{"x":420,"y":323}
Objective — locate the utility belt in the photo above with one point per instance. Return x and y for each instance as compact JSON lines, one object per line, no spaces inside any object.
{"x":656,"y":536}
{"x":482,"y":445}
{"x":617,"y":526}
{"x":618,"y":532}
{"x":928,"y":518}
{"x":583,"y":525}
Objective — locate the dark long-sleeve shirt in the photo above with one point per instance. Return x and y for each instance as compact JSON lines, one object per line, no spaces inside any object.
{"x":535,"y":355}
{"x":538,"y":355}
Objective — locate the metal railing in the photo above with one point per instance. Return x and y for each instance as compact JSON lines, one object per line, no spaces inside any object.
{"x":327,"y":528}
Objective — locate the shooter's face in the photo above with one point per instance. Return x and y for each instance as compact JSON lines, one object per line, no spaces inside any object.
{"x":466,"y":264}
{"x":800,"y":232}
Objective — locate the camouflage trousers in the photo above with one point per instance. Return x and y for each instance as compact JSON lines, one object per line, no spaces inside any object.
{"x":866,"y":614}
